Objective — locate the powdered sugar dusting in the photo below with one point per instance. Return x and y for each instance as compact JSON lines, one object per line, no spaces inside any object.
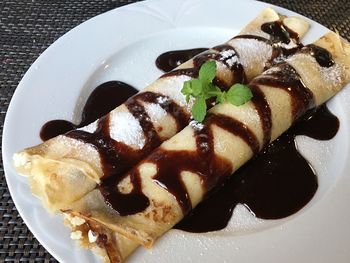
{"x":197,"y":126}
{"x":331,"y":75}
{"x":126,"y":129}
{"x":290,"y":45}
{"x":232,"y":61}
{"x":155,"y":111}
{"x":226,"y":54}
{"x":174,"y":85}
{"x":162,"y":99}
{"x":251,"y":52}
{"x":229,"y":57}
{"x":91,"y":128}
{"x":78,"y":145}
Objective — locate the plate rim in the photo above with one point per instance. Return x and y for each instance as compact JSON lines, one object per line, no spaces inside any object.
{"x":21,"y":86}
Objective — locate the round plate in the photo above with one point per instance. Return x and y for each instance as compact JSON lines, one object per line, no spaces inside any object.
{"x":122,"y":45}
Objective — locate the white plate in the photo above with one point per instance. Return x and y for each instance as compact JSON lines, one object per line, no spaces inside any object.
{"x":122,"y":45}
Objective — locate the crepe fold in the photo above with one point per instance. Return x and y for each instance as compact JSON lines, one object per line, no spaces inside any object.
{"x":65,"y":168}
{"x":175,"y":177}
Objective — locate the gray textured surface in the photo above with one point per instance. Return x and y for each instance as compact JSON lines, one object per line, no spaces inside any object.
{"x":27,"y":28}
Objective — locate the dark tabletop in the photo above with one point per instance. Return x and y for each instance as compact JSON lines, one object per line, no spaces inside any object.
{"x":27,"y":28}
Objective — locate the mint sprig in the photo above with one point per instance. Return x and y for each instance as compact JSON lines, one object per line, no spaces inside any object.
{"x":202,"y":89}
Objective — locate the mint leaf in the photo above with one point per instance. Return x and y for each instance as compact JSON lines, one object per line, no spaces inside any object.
{"x":238,"y":94}
{"x":199,"y":109}
{"x":220,"y":98}
{"x":207,"y":71}
{"x":187,"y":89}
{"x":196,"y":85}
{"x":213,"y":90}
{"x":202,"y":88}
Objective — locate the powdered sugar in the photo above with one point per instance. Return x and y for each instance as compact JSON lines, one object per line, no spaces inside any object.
{"x":290,"y":45}
{"x":226,"y":54}
{"x":252,"y":53}
{"x":90,"y":128}
{"x":174,"y":85}
{"x":331,"y":75}
{"x":162,"y":99}
{"x":155,"y":111}
{"x":229,"y":57}
{"x":197,"y":126}
{"x":126,"y":129}
{"x":232,"y":61}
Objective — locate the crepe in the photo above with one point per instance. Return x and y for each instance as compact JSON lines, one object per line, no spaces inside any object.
{"x":65,"y":168}
{"x":176,"y":176}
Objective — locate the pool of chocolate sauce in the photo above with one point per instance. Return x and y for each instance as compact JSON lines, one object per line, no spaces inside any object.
{"x":276,"y":183}
{"x":102,"y":100}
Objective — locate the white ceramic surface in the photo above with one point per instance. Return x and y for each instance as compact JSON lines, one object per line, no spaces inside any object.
{"x":122,"y":45}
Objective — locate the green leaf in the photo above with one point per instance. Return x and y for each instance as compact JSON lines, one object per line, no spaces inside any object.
{"x":220,"y":98}
{"x":207,"y":71}
{"x":199,"y":109}
{"x":187,"y":89}
{"x":196,"y":85}
{"x":213,"y":90}
{"x":202,"y":89}
{"x":239,"y":94}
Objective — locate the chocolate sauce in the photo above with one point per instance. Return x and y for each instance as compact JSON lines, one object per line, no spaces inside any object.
{"x":275,"y":184}
{"x":322,"y":56}
{"x":216,"y":53}
{"x":124,"y":204}
{"x":203,"y":162}
{"x":102,"y":100}
{"x":279,"y":32}
{"x":54,"y":128}
{"x":117,"y":157}
{"x":319,"y":124}
{"x":264,"y":112}
{"x":171,"y":59}
{"x":285,"y":77}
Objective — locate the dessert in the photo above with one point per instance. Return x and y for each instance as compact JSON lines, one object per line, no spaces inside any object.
{"x":138,"y":207}
{"x":113,"y":144}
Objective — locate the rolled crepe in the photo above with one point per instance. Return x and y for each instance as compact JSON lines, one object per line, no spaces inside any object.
{"x":178,"y":174}
{"x":65,"y":168}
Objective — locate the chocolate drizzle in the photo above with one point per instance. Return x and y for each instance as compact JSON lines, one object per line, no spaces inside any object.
{"x":264,"y":112}
{"x":225,"y":54}
{"x":203,"y":162}
{"x":117,"y":157}
{"x":322,"y":56}
{"x":279,"y":36}
{"x":124,"y":204}
{"x":279,"y":32}
{"x":172,"y":59}
{"x":245,"y":186}
{"x":285,"y":77}
{"x":275,"y":184}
